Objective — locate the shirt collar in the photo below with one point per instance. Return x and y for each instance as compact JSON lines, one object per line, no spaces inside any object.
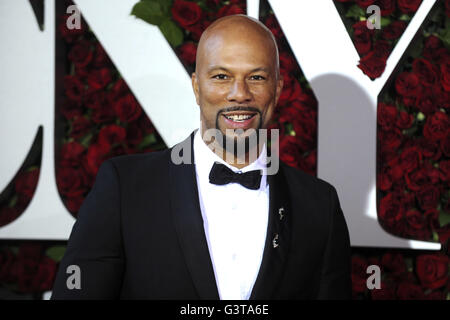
{"x":204,"y":160}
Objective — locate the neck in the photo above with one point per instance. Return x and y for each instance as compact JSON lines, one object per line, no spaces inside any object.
{"x":234,"y":159}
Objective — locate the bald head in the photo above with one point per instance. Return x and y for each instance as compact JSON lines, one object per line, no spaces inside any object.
{"x":237,"y":29}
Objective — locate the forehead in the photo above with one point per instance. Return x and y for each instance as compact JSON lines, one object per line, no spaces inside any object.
{"x":238,"y":47}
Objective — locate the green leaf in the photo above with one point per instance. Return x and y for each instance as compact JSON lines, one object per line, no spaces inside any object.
{"x":355,"y":12}
{"x":385,"y":21}
{"x":444,"y":219}
{"x":147,"y":141}
{"x":56,"y":253}
{"x":404,"y":17}
{"x":86,"y":140}
{"x":164,"y":4}
{"x":172,"y":32}
{"x":149,"y":11}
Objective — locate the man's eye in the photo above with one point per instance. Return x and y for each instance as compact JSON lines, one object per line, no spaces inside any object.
{"x":257,"y":77}
{"x":220,"y":76}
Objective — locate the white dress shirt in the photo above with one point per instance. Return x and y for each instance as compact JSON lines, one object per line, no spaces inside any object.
{"x":235,"y":220}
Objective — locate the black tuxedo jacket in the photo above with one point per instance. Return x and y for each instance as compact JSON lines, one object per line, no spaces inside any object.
{"x":139,"y":235}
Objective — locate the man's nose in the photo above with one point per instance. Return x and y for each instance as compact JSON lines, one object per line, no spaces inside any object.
{"x":239,"y":92}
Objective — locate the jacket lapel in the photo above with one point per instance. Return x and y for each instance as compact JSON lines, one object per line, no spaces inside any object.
{"x":277,"y":241}
{"x":189,"y":224}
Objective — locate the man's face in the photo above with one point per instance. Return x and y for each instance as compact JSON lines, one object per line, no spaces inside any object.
{"x":236,"y":84}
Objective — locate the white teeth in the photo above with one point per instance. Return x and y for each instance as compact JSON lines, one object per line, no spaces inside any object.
{"x":239,"y":117}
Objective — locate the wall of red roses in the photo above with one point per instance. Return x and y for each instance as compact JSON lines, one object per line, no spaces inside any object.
{"x":98,"y":117}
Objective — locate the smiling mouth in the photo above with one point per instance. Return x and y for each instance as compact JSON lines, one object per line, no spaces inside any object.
{"x":239,"y":117}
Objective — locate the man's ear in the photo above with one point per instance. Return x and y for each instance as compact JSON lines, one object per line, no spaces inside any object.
{"x":194,"y":81}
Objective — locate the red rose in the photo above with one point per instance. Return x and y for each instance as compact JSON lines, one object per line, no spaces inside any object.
{"x":74,"y":203}
{"x":79,"y":127}
{"x":387,"y":6}
{"x":273,"y":25}
{"x":359,"y":274}
{"x":98,"y":79}
{"x":407,"y":84}
{"x":70,"y":109}
{"x":386,"y":292}
{"x":425,"y":176}
{"x":134,"y":134}
{"x":364,"y":3}
{"x":127,"y":108}
{"x":384,"y":179}
{"x":120,"y":88}
{"x":429,"y":148}
{"x":230,"y":9}
{"x":409,"y":291}
{"x":445,"y":73}
{"x":436,"y":126}
{"x":26,"y":181}
{"x":394,"y":30}
{"x":306,"y":130}
{"x":187,"y":52}
{"x":416,"y":225}
{"x":404,"y":120}
{"x":394,"y":263}
{"x":382,"y":49}
{"x":444,"y":233}
{"x":45,"y":275}
{"x":287,"y":61}
{"x":94,"y":158}
{"x":186,"y":13}
{"x":289,"y":150}
{"x":427,"y":102}
{"x":391,"y":211}
{"x":410,"y":158}
{"x":408,"y":6}
{"x":386,"y":115}
{"x":8,"y":215}
{"x":425,"y":71}
{"x":81,"y":53}
{"x":428,"y":197}
{"x":432,"y":270}
{"x":431,"y":46}
{"x":101,"y":58}
{"x":71,"y":153}
{"x":372,"y":65}
{"x":71,"y":181}
{"x":112,"y":134}
{"x":74,"y":88}
{"x":390,"y":140}
{"x":362,"y":37}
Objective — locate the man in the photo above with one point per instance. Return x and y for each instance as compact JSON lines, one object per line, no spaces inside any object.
{"x":212,"y":228}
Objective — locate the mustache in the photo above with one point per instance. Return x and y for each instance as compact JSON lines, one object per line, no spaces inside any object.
{"x":239,"y":108}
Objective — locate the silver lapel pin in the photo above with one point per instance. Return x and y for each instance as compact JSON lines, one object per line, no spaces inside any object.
{"x":275,"y":241}
{"x":280,"y":212}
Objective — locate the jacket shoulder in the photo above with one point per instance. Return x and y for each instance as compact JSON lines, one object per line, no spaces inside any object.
{"x":306,"y":183}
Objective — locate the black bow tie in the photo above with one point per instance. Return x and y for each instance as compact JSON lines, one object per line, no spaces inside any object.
{"x":220,"y":174}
